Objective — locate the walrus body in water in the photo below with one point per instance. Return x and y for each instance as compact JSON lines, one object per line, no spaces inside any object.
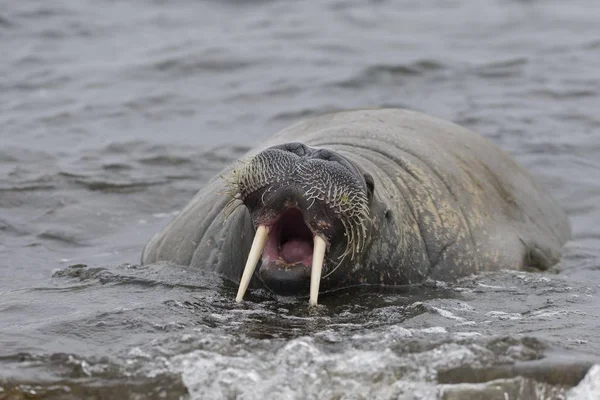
{"x":385,"y":197}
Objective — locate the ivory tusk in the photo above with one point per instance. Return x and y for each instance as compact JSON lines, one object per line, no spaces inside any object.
{"x":258,"y":245}
{"x":317,"y":266}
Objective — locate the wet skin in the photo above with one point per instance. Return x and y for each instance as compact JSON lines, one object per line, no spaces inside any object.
{"x":441,"y":201}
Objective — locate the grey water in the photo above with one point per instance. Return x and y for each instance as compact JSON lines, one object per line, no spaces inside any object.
{"x":114,"y":113}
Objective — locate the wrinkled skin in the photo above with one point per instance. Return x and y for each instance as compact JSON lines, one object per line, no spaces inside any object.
{"x":444,"y":202}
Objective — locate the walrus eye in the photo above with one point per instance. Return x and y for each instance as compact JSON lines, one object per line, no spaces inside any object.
{"x":370,"y":185}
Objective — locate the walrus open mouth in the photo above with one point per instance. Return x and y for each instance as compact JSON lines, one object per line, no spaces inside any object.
{"x":290,"y":241}
{"x":288,"y":248}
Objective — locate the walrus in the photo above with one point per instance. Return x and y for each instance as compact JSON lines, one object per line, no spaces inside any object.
{"x":365,"y":197}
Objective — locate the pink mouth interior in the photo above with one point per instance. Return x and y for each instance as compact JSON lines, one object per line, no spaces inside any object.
{"x":290,"y":241}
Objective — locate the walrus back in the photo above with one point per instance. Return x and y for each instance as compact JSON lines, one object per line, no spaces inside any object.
{"x":473,"y":205}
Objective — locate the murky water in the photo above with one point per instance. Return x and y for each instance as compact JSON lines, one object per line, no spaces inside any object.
{"x":113,"y":114}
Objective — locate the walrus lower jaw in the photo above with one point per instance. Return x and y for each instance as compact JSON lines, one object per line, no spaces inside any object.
{"x":258,"y":246}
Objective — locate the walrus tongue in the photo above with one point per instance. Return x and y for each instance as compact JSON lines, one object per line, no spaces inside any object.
{"x":294,"y":251}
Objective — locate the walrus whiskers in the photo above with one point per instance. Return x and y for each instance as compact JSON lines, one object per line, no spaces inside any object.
{"x":258,"y":245}
{"x":320,"y":245}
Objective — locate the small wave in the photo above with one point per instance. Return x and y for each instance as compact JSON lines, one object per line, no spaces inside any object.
{"x":281,"y":91}
{"x":63,"y":236}
{"x":157,"y":102}
{"x":385,"y":73}
{"x":5,"y":22}
{"x":163,"y":160}
{"x":68,"y":376}
{"x":7,"y":227}
{"x":13,"y":154}
{"x":101,"y":274}
{"x":24,"y":187}
{"x":131,"y":146}
{"x":109,"y":186}
{"x":305,"y":113}
{"x":43,"y":81}
{"x":187,"y":65}
{"x":565,"y":94}
{"x":164,"y":274}
{"x":501,"y":69}
{"x":43,"y":10}
{"x":116,"y":166}
{"x":592,"y":45}
{"x":242,"y":3}
{"x":554,"y":371}
{"x":80,"y":271}
{"x":153,"y":155}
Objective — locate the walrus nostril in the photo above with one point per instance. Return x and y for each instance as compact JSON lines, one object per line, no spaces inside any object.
{"x":299,"y":149}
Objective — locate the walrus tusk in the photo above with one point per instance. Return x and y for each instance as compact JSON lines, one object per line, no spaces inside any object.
{"x":258,"y":245}
{"x":317,"y":267}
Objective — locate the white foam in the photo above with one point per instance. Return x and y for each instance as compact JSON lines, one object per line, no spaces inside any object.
{"x":433,"y":330}
{"x":302,"y":369}
{"x":447,"y":314}
{"x":588,"y":388}
{"x":502,"y":316}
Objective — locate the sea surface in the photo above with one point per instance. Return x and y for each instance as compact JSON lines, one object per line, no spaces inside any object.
{"x":114,"y":113}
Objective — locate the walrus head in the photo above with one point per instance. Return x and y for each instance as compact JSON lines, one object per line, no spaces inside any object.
{"x":311,"y":207}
